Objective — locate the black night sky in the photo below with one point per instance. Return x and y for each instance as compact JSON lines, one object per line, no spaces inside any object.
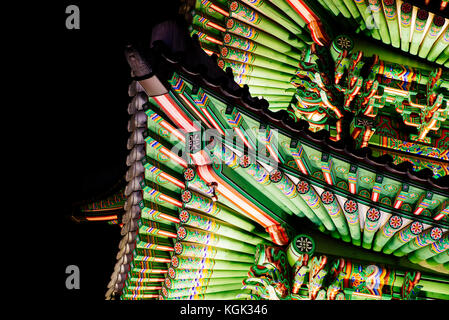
{"x":87,"y":85}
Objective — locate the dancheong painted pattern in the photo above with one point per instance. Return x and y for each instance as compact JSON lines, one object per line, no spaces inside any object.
{"x":289,"y":150}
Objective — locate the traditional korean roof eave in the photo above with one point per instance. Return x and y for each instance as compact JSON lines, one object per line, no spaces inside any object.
{"x":327,"y":14}
{"x":174,"y":50}
{"x":432,"y":6}
{"x":151,"y":251}
{"x":327,"y":245}
{"x":106,"y":206}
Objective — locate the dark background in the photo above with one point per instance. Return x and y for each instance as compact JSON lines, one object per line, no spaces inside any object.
{"x":74,"y":91}
{"x":81,"y":79}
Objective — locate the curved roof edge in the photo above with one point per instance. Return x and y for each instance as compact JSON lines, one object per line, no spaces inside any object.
{"x":173,"y":49}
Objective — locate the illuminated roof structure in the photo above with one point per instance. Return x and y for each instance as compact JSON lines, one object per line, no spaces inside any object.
{"x":391,"y":73}
{"x":276,"y":154}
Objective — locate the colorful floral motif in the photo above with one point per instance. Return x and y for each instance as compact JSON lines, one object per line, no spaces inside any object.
{"x":303,"y":187}
{"x":241,"y":29}
{"x":344,"y":171}
{"x":171,"y":273}
{"x":416,"y":227}
{"x":389,"y":9}
{"x":395,"y":222}
{"x":373,"y":215}
{"x":406,"y":14}
{"x":178,"y":248}
{"x":386,"y":200}
{"x":245,"y":13}
{"x":186,"y":196}
{"x":184,"y":216}
{"x":436,"y":233}
{"x":367,"y":180}
{"x":327,"y":197}
{"x":412,"y":231}
{"x":276,"y":176}
{"x":240,"y":43}
{"x":390,"y":188}
{"x":189,"y":174}
{"x":350,"y":206}
{"x":182,"y":233}
{"x":168,"y":282}
{"x":245,"y":161}
{"x":175,"y":261}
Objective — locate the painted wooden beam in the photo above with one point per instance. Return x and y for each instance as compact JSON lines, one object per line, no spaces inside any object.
{"x":285,"y":7}
{"x":406,"y":24}
{"x":330,"y":202}
{"x":300,"y":156}
{"x":310,"y":196}
{"x":402,"y":237}
{"x":423,"y":202}
{"x":431,"y":35}
{"x":365,"y":13}
{"x":418,"y":31}
{"x":379,"y":19}
{"x":384,"y":234}
{"x":276,"y":15}
{"x":430,"y":250}
{"x":244,"y":13}
{"x":193,"y":200}
{"x":377,"y":188}
{"x":372,"y":221}
{"x":427,"y":237}
{"x":401,"y":196}
{"x":352,"y":179}
{"x":261,"y":176}
{"x":241,"y":35}
{"x":199,"y":250}
{"x":328,"y":168}
{"x":196,"y":272}
{"x":209,"y":224}
{"x":284,"y":183}
{"x":391,"y":16}
{"x":351,"y":212}
{"x":440,"y":44}
{"x":232,"y":53}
